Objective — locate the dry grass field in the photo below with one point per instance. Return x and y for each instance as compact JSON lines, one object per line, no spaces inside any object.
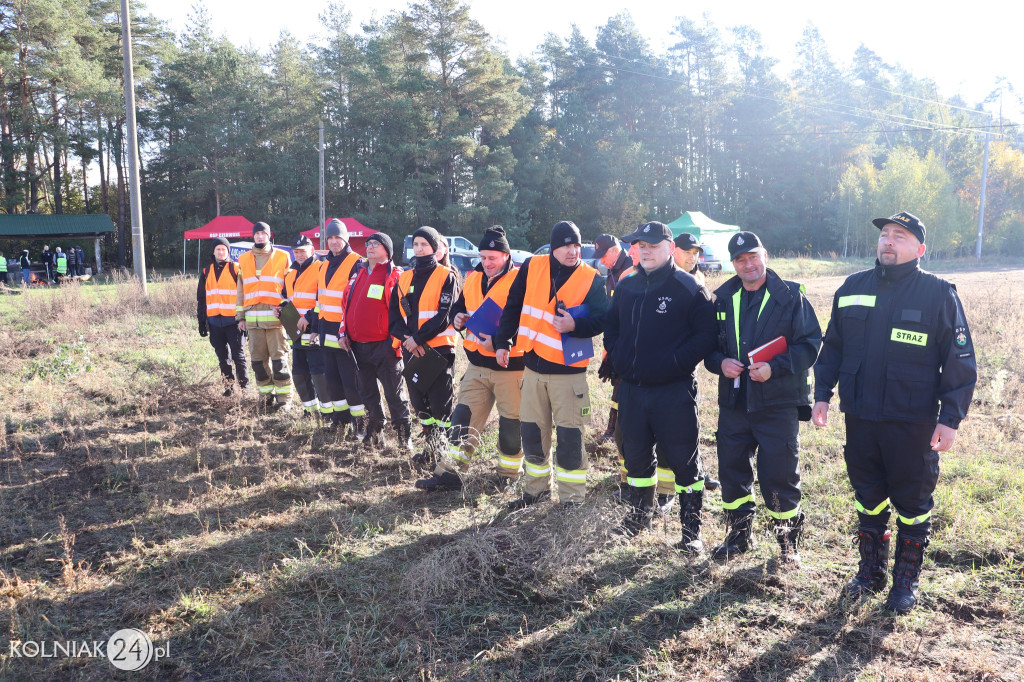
{"x":257,"y":547}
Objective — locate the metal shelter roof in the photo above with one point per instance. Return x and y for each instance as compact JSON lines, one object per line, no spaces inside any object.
{"x":36,"y":226}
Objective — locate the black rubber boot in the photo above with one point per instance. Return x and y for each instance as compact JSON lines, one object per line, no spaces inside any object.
{"x":690,"y":506}
{"x":711,"y":484}
{"x":403,"y":430}
{"x":640,"y":517}
{"x":621,"y":494}
{"x":427,"y":457}
{"x":339,"y":422}
{"x":737,"y":540}
{"x":527,"y":500}
{"x":873,"y":570}
{"x":374,"y":437}
{"x":906,"y":570}
{"x":443,"y":481}
{"x":665,"y":503}
{"x":787,"y":534}
{"x":358,"y":430}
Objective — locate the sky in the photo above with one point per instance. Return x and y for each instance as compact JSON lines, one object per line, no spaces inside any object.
{"x":965,"y":49}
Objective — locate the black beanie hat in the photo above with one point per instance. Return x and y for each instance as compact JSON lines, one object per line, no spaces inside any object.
{"x":565,"y":232}
{"x":384,"y":241}
{"x":495,"y":240}
{"x":221,"y":241}
{"x":432,"y":236}
{"x":261,"y":227}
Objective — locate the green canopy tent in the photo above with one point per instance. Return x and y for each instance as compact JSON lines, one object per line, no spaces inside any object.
{"x":708,"y":231}
{"x":50,"y":227}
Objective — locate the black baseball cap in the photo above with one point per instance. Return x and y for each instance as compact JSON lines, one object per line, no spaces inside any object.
{"x":652,"y":233}
{"x":602,"y":244}
{"x":302,"y":241}
{"x":744,"y":242}
{"x":687,"y":241}
{"x":908,"y":221}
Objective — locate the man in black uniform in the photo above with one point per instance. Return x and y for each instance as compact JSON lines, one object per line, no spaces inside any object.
{"x":898,"y":346}
{"x":660,"y":326}
{"x":762,"y":400}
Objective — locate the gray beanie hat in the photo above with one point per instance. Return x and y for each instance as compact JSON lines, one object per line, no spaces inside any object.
{"x":336,"y":228}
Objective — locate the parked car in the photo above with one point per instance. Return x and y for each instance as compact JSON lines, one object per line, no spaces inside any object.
{"x":455,"y":243}
{"x":708,"y":260}
{"x":465,"y":262}
{"x":587,"y":254}
{"x":519,"y":256}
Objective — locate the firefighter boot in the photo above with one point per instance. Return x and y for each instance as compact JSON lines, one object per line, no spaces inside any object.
{"x":428,"y":455}
{"x":787,"y":533}
{"x":690,"y":505}
{"x":641,"y":515}
{"x":357,"y":432}
{"x":527,"y":500}
{"x":374,"y":435}
{"x":872,"y":572}
{"x":403,"y":431}
{"x":443,"y":481}
{"x":906,"y":570}
{"x":621,"y":494}
{"x":737,"y":540}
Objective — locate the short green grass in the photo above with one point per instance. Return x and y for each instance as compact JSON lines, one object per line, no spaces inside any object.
{"x":132,"y":494}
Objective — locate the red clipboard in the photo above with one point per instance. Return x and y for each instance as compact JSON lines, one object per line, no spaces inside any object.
{"x":766,"y":352}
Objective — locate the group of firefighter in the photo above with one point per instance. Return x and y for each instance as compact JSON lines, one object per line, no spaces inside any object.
{"x":897,"y":347}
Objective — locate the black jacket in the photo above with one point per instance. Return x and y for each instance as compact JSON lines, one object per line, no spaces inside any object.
{"x":786,"y":313}
{"x":898,"y":345}
{"x":659,"y":327}
{"x":586,"y":327}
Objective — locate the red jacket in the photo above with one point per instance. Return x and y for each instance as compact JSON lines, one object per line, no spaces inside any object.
{"x":366,"y":303}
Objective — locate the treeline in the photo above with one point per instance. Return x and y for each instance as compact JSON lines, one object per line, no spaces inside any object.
{"x":427,"y":121}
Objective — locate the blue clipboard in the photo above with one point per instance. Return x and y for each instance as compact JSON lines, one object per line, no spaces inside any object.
{"x":576,"y":349}
{"x":484,"y":319}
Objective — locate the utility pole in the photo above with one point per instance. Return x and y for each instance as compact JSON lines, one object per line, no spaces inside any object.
{"x":138,"y":243}
{"x":981,"y":203}
{"x":323,"y":212}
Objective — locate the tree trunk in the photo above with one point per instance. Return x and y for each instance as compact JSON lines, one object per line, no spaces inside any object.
{"x":122,"y":231}
{"x":104,"y":202}
{"x":58,"y":187}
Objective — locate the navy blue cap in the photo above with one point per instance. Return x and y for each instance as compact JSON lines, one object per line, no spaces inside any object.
{"x":908,"y":221}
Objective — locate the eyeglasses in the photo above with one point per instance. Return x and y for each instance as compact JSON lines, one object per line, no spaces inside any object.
{"x":371,"y":243}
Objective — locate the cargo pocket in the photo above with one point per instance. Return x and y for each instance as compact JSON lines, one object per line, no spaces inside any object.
{"x":581,"y":403}
{"x":848,"y":381}
{"x":909,"y":390}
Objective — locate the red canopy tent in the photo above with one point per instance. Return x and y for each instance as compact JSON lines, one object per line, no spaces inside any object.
{"x":227,"y":226}
{"x":357,"y":234}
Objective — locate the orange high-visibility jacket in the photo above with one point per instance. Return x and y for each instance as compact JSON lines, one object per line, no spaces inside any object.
{"x":221,"y":292}
{"x":429,"y":302}
{"x":330,"y":293}
{"x":301,"y":290}
{"x":473,"y":291}
{"x":263,"y":286}
{"x":536,"y":331}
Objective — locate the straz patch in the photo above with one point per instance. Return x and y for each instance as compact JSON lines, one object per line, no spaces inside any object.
{"x":913,"y":338}
{"x":585,"y":411}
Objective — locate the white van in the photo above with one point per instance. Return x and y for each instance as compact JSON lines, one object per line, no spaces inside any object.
{"x":456,"y":243}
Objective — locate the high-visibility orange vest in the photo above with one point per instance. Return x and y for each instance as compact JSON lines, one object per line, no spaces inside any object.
{"x":329,"y":294}
{"x":301,"y":290}
{"x":263,"y":286}
{"x":473,"y":291}
{"x":536,"y":331}
{"x":221,"y":292}
{"x":429,"y":302}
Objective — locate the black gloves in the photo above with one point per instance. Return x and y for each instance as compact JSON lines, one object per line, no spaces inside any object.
{"x":204,"y":330}
{"x":606,"y":372}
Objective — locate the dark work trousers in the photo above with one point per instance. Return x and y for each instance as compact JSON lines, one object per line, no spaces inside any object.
{"x":666,"y":415}
{"x":377,"y":362}
{"x":434,"y":406}
{"x":774,"y":434}
{"x":227,"y":344}
{"x":307,"y":361}
{"x":340,"y":370}
{"x":892,"y":462}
